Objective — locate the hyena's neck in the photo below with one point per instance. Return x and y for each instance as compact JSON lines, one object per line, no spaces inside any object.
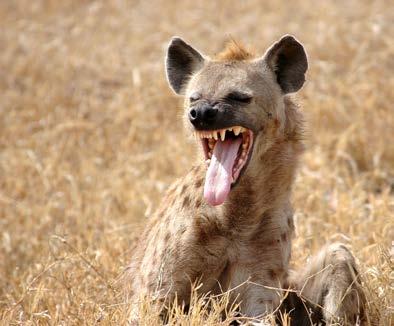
{"x":269,"y":187}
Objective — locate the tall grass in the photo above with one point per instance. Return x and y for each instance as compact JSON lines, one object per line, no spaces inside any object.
{"x":91,"y":136}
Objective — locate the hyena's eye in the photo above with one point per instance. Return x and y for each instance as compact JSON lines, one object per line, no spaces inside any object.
{"x":239,"y":97}
{"x":195,"y":97}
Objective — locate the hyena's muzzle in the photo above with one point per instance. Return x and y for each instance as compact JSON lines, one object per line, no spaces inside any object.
{"x":227,"y":143}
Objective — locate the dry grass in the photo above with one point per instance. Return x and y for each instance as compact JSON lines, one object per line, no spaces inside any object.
{"x":90,"y":137}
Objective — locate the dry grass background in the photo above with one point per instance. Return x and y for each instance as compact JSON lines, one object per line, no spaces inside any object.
{"x":91,"y":136}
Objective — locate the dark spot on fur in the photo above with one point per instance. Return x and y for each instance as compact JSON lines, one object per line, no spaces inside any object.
{"x":272,"y":274}
{"x":324,"y":292}
{"x":270,"y":242}
{"x":290,"y":222}
{"x":186,"y":201}
{"x":198,"y":183}
{"x":184,"y":188}
{"x":198,"y":203}
{"x":202,"y":235}
{"x":167,"y":237}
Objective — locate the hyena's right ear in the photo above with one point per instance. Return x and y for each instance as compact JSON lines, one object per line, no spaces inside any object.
{"x":181,"y":62}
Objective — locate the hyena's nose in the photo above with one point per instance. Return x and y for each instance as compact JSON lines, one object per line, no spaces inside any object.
{"x":203,"y":115}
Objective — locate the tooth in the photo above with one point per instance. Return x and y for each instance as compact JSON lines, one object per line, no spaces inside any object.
{"x":223,"y":134}
{"x":215,"y":135}
{"x":237,"y":130}
{"x":230,"y":129}
{"x":209,"y":136}
{"x":243,"y":129}
{"x":208,"y":161}
{"x":210,"y":154}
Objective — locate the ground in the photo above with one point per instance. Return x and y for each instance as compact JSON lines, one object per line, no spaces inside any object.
{"x":91,"y":136}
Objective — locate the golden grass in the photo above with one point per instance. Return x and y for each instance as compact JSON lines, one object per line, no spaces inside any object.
{"x":90,"y":137}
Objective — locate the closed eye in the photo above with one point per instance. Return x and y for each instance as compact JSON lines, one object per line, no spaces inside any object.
{"x":195,"y":97}
{"x":239,"y":97}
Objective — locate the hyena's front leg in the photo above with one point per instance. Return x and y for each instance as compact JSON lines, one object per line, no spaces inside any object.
{"x":331,"y":281}
{"x":256,"y":290}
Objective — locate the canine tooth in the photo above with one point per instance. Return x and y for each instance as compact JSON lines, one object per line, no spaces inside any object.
{"x":237,"y":130}
{"x":215,"y":135}
{"x":223,"y":134}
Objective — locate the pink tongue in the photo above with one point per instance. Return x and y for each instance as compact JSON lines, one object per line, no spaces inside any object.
{"x":220,"y":172}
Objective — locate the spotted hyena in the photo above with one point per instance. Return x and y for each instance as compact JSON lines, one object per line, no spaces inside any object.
{"x":228,"y":223}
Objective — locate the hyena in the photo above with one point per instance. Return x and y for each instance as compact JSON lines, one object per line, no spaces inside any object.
{"x":228,"y":223}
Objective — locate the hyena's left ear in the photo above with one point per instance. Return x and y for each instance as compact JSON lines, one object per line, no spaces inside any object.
{"x":181,"y":62}
{"x":287,"y":59}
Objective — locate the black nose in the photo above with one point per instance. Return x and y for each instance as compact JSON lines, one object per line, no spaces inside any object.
{"x":203,"y":115}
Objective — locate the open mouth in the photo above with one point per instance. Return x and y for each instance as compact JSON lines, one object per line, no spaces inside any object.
{"x":227,"y":152}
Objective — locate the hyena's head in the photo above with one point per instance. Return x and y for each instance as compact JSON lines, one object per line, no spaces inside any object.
{"x":235,"y":103}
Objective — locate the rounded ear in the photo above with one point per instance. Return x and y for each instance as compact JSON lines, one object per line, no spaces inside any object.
{"x":288,"y":60}
{"x":181,"y":62}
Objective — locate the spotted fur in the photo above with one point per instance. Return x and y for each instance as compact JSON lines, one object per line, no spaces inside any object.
{"x":244,"y":245}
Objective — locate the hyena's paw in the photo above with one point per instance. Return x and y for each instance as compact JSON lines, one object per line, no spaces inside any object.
{"x":343,"y":298}
{"x":331,"y":281}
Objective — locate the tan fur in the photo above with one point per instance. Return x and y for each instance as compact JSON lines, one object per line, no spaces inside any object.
{"x":235,"y":51}
{"x":245,"y":243}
